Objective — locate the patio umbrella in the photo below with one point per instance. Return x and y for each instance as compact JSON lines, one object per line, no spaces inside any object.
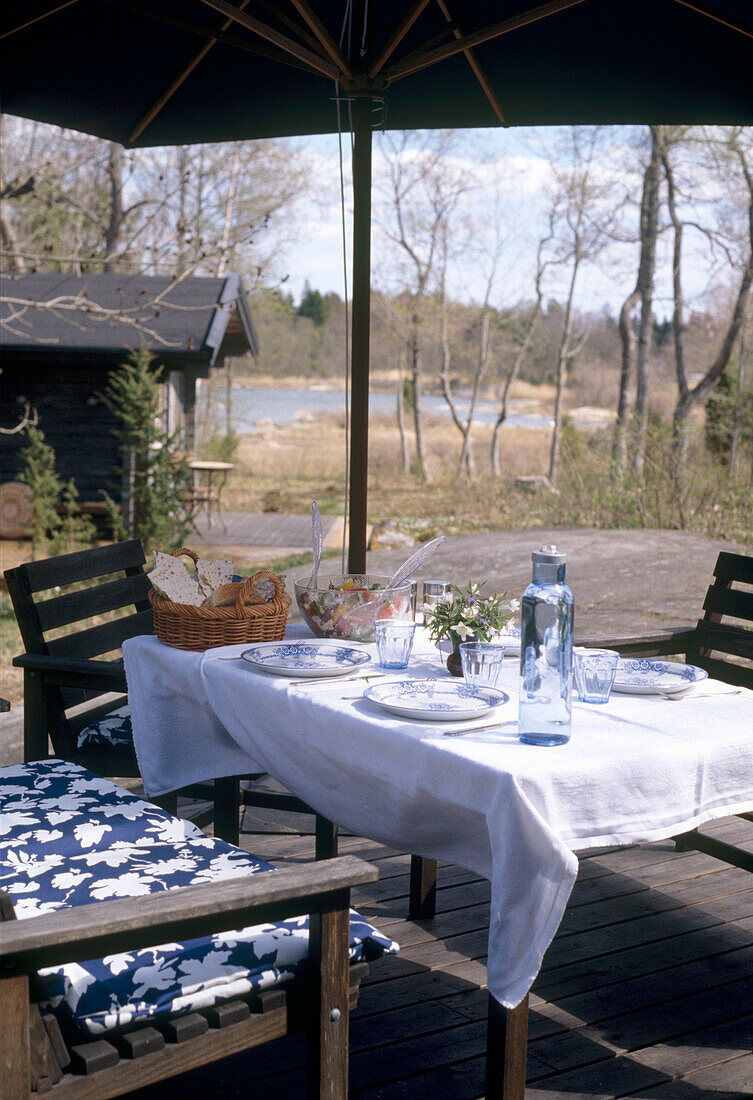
{"x":162,"y":72}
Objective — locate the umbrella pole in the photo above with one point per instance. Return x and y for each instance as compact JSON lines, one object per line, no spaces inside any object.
{"x":359,"y":361}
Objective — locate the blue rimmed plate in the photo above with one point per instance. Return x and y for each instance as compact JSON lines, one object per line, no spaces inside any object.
{"x":304,"y":659}
{"x":435,"y":700}
{"x":647,"y":676}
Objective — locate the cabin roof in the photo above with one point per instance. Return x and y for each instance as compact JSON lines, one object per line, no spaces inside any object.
{"x":190,"y":320}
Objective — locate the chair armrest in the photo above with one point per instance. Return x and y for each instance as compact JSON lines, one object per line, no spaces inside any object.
{"x":660,"y":643}
{"x":91,"y":931}
{"x":75,"y":672}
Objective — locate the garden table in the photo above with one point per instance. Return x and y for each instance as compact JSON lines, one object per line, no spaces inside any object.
{"x":209,"y":495}
{"x":641,"y":768}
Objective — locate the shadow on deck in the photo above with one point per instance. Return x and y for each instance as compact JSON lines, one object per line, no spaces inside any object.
{"x":647,"y":989}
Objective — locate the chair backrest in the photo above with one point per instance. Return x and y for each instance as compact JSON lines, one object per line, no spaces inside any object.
{"x":81,"y":605}
{"x":723,"y":641}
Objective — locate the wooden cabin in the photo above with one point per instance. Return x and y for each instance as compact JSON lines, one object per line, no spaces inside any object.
{"x":62,"y":335}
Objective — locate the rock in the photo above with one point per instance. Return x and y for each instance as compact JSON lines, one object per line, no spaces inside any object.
{"x":388,"y":536}
{"x":535,"y":483}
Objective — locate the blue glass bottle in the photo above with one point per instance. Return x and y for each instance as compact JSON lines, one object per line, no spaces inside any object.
{"x":546,"y":652}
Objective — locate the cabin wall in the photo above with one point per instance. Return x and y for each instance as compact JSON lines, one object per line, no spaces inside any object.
{"x":74,"y":420}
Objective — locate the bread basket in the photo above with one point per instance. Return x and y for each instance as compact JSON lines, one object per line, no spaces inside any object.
{"x":200,"y":628}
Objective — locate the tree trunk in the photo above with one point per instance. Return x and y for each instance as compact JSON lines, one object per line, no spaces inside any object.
{"x":446,"y":381}
{"x":519,"y":358}
{"x":628,"y":339}
{"x":229,"y":397}
{"x":645,"y":288}
{"x":115,"y":213}
{"x":737,"y":430}
{"x":401,"y":413}
{"x":224,"y":246}
{"x":13,"y":258}
{"x":562,"y":357}
{"x":415,"y":365}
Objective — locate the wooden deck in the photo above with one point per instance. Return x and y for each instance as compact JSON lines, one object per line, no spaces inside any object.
{"x":647,"y":989}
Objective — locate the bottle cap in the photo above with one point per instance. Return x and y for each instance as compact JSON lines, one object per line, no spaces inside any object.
{"x":549,"y":555}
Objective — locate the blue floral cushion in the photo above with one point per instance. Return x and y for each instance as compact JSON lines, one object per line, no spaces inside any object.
{"x":69,"y":838}
{"x":112,"y":730}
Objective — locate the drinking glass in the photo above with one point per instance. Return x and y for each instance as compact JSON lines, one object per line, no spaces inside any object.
{"x":481,"y":662}
{"x":594,"y":671}
{"x":394,"y":641}
{"x":436,"y":592}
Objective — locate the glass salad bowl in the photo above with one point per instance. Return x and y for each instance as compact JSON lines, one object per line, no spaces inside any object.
{"x":346,"y":605}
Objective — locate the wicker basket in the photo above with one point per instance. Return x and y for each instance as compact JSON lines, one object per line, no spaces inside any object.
{"x":200,"y":628}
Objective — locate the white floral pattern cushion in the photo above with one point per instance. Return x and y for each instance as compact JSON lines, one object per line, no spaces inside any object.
{"x":111,"y":730}
{"x":68,"y":837}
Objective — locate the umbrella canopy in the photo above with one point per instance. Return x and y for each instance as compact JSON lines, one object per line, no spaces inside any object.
{"x":162,"y":72}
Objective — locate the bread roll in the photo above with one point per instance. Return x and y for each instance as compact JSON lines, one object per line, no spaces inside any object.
{"x":227,"y":594}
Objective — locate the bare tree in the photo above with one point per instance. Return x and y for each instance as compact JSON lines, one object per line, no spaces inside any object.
{"x":524,"y":343}
{"x":729,"y":153}
{"x":422,"y":188}
{"x":577,"y":221}
{"x":636,"y":347}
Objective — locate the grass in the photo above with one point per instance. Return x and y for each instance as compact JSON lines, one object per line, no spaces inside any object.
{"x":284,"y":469}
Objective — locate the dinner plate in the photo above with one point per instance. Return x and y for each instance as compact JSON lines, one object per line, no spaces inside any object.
{"x":435,"y":700}
{"x":647,"y":676}
{"x":305,"y":659}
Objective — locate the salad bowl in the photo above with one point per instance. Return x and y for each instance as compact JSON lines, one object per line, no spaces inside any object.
{"x":346,"y":605}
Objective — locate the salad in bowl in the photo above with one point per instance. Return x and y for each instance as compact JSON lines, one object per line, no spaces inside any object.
{"x":347,"y":605}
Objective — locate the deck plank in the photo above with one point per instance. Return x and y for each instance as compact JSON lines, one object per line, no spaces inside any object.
{"x":646,"y":990}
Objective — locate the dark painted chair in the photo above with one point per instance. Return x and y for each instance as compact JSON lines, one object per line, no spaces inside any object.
{"x":721,"y":643}
{"x":74,"y":612}
{"x":74,"y":678}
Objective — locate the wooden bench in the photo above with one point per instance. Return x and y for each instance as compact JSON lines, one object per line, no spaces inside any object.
{"x":39,"y":1056}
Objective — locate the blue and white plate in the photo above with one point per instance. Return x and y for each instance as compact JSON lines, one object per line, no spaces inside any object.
{"x":647,"y":676}
{"x":435,"y":700}
{"x":304,"y":659}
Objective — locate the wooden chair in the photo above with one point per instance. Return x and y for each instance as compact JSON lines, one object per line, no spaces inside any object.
{"x":68,"y":686}
{"x":69,"y":682}
{"x":52,"y":599}
{"x":35,"y":1057}
{"x":721,"y":643}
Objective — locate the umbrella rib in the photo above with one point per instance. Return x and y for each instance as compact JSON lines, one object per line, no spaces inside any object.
{"x":40,"y":13}
{"x":703,"y":9}
{"x":324,"y":37}
{"x":477,"y":70}
{"x":421,"y":59}
{"x":397,"y":36}
{"x":175,"y":83}
{"x":296,"y":28}
{"x":261,"y":49}
{"x":313,"y":60}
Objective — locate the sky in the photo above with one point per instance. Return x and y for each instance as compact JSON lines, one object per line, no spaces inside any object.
{"x":515,"y":163}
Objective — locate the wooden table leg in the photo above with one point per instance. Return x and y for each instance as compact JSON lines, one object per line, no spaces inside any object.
{"x":227,"y":809}
{"x":326,"y":838}
{"x":422,"y":903}
{"x":506,"y":1042}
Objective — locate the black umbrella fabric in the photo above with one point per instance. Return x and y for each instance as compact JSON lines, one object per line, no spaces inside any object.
{"x":165,"y":72}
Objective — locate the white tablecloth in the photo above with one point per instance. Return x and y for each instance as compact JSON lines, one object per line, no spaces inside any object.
{"x":640,"y":768}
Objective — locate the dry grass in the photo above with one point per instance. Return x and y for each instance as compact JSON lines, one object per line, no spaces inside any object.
{"x":284,"y":469}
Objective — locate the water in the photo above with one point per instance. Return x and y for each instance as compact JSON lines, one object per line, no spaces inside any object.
{"x":546,"y":663}
{"x":282,"y":406}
